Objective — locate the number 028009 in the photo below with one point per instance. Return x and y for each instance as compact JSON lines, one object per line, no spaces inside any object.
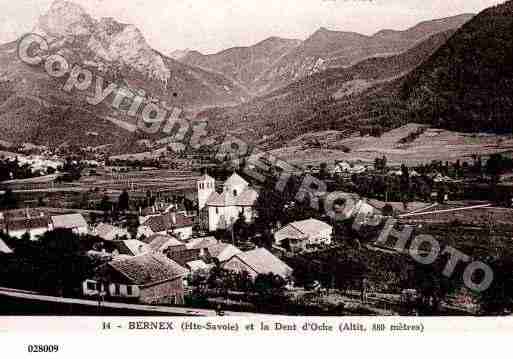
{"x":40,"y":348}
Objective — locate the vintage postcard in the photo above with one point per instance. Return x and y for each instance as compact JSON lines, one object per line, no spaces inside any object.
{"x":292,"y":167}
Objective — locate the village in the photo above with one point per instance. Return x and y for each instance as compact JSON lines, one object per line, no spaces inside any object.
{"x":206,"y":235}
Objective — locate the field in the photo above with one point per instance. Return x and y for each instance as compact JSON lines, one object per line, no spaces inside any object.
{"x":433,"y":144}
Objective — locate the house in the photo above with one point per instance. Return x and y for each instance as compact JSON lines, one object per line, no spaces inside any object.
{"x":74,"y":222}
{"x":150,"y":278}
{"x":183,"y":256}
{"x":4,"y":248}
{"x":109,"y":232}
{"x":162,"y":243}
{"x":176,"y":224}
{"x":364,"y":208}
{"x":202,"y":244}
{"x":144,"y":231}
{"x":221,"y":210}
{"x":129,"y":247}
{"x":258,"y":261}
{"x":345,"y":168}
{"x":222,"y":252}
{"x":198,"y":266}
{"x":303,"y":233}
{"x":20,"y":222}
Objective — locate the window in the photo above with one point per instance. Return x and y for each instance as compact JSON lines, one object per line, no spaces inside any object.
{"x":129,"y":289}
{"x":91,"y":286}
{"x":217,"y":210}
{"x":117,"y":289}
{"x":235,"y":192}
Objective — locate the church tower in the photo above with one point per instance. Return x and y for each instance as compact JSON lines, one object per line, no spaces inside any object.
{"x":206,"y":186}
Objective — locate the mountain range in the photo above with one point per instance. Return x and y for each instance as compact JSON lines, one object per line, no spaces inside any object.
{"x":460,"y":80}
{"x":276,"y":62}
{"x":454,"y":73}
{"x":467,"y":84}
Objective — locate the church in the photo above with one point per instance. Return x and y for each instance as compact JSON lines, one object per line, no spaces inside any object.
{"x":221,"y":210}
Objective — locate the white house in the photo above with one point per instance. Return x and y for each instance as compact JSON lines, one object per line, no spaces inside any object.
{"x":222,"y":251}
{"x":109,"y":232}
{"x":75,"y":222}
{"x":221,"y":210}
{"x":302,"y":233}
{"x":258,"y":261}
{"x":347,"y":168}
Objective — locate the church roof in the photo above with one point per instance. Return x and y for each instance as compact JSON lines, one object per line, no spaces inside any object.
{"x":247,"y":198}
{"x":235,"y":180}
{"x":226,"y":199}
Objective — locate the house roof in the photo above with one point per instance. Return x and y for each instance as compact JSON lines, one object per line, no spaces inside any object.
{"x":109,"y":232}
{"x":4,"y":248}
{"x":69,"y":221}
{"x":247,"y":198}
{"x":303,"y":229}
{"x":147,"y":269}
{"x":263,"y":262}
{"x":168,"y":221}
{"x":131,"y":247}
{"x":223,"y":251}
{"x":291,"y":232}
{"x":202,"y":243}
{"x":157,"y":242}
{"x":198,"y":265}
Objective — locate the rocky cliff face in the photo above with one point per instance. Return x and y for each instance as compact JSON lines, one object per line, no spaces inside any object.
{"x":33,"y":104}
{"x":65,"y":19}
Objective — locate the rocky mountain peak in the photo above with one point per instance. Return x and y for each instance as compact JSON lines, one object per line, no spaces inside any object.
{"x":63,"y":19}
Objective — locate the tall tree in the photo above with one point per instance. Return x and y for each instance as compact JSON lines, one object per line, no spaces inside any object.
{"x":124,"y":201}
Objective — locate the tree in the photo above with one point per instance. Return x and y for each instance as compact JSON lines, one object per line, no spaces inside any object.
{"x":9,"y":200}
{"x":499,"y":297}
{"x":388,"y":210}
{"x":105,"y":206}
{"x":53,"y":264}
{"x":323,"y":172}
{"x":380,"y":164}
{"x":124,"y":201}
{"x":495,"y":167}
{"x":240,"y":228}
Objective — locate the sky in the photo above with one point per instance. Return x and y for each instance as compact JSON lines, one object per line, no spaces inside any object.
{"x":214,"y":25}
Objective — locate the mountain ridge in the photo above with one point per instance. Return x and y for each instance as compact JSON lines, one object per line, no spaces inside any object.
{"x":321,"y":50}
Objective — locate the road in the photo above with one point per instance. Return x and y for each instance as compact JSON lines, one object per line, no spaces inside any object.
{"x":146,"y":309}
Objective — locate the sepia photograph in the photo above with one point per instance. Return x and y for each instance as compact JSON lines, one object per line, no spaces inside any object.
{"x":288,"y":159}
